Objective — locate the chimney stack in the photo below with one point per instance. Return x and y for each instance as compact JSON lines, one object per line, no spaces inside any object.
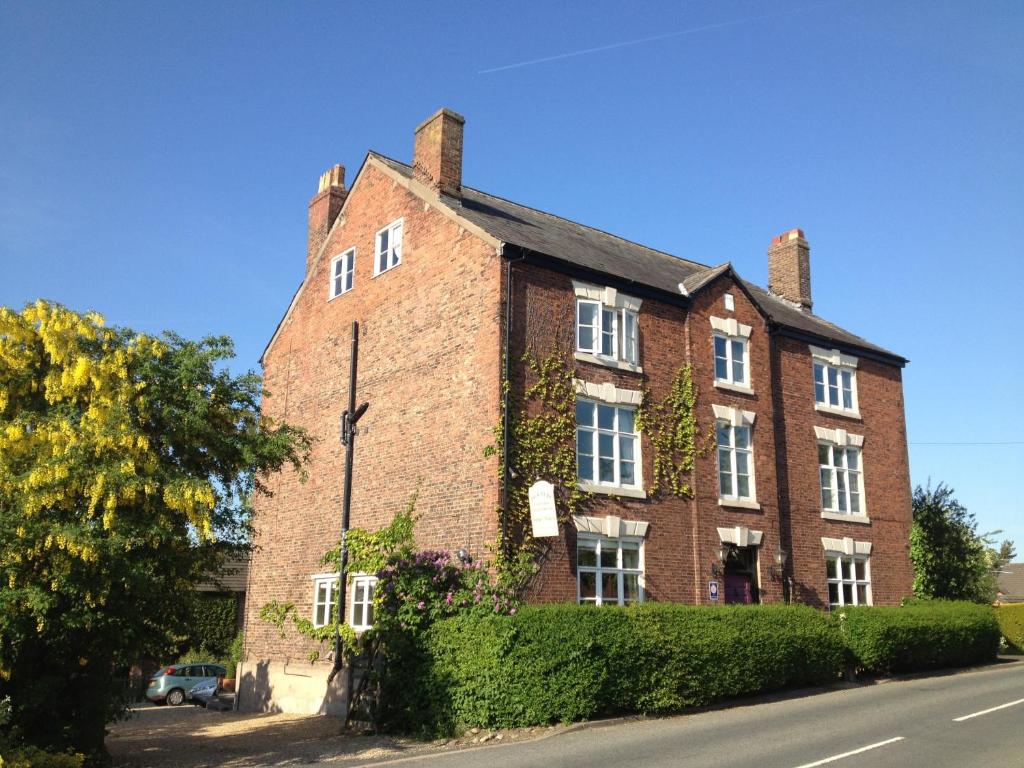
{"x":324,"y":209}
{"x":437,"y":153}
{"x":789,"y":268}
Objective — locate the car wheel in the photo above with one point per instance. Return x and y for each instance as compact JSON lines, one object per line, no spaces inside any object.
{"x":175,"y":697}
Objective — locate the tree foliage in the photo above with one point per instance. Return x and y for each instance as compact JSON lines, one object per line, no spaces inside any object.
{"x":126,"y":462}
{"x":951,"y":560}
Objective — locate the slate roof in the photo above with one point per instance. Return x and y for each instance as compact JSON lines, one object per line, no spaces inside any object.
{"x":1011,"y":583}
{"x":596,"y":250}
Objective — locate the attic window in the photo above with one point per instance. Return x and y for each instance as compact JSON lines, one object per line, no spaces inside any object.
{"x":730,"y":303}
{"x":607,"y":330}
{"x":389,"y":248}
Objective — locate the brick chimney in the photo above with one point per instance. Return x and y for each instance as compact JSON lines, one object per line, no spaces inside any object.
{"x":324,"y":209}
{"x":789,"y":268}
{"x":437,"y":154}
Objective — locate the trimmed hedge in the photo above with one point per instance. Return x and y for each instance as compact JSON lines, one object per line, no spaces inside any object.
{"x":925,"y":635}
{"x":212,"y":624}
{"x":1011,"y":623}
{"x":567,"y":662}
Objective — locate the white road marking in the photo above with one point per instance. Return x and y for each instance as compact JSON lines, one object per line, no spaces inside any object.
{"x":851,"y":753}
{"x":986,"y":711}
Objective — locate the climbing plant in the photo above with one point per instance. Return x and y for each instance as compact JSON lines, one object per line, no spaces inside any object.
{"x":414,"y":587}
{"x":542,"y":432}
{"x":671,"y":426}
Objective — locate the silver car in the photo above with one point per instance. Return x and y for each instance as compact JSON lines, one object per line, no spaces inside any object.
{"x":172,"y":684}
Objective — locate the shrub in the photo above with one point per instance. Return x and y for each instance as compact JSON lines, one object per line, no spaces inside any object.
{"x":212,"y":623}
{"x":1011,"y":623}
{"x":923,"y":635}
{"x":33,"y":757}
{"x":567,"y":662}
{"x":14,"y":755}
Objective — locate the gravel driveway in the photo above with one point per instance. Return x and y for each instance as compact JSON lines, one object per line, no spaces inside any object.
{"x":192,"y":737}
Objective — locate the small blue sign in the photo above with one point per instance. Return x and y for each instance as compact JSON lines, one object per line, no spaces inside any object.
{"x":713,"y":590}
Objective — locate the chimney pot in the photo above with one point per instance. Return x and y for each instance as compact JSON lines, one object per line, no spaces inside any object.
{"x":437,"y":152}
{"x":789,"y":268}
{"x":324,"y":209}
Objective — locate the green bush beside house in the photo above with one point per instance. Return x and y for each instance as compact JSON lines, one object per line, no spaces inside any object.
{"x":553,"y":663}
{"x":927,"y":635}
{"x":566,"y":662}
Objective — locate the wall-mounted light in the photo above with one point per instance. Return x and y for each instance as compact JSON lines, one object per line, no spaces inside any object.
{"x":775,"y":572}
{"x":464,"y":557}
{"x":721,"y":552}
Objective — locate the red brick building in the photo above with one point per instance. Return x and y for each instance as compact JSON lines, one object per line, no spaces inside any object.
{"x":803,"y":494}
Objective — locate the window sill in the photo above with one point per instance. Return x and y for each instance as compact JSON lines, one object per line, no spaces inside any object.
{"x":338,"y":296}
{"x":733,"y":387}
{"x":739,"y":503}
{"x":840,"y":517}
{"x":384,"y":272}
{"x":834,"y":411}
{"x":611,"y":490}
{"x":607,"y":362}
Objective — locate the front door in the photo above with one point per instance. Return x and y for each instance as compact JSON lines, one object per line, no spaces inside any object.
{"x":737,"y":588}
{"x":741,"y":576}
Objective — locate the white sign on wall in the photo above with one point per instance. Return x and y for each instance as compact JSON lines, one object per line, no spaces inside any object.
{"x":542,"y":509}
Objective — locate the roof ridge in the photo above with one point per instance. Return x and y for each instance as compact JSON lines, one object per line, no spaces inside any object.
{"x":658,"y":251}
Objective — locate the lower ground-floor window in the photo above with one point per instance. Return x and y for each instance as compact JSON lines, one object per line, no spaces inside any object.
{"x":609,"y":571}
{"x":363,"y":587}
{"x":324,"y":598}
{"x":849,"y":580}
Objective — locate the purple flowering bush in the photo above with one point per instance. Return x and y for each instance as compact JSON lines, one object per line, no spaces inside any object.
{"x":416,"y":589}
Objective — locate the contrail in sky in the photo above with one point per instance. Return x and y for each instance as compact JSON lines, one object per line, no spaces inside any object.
{"x":651,"y":39}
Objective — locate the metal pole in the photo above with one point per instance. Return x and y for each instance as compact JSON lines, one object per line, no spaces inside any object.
{"x":348,"y":434}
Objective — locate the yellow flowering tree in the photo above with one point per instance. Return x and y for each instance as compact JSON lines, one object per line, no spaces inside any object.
{"x":125,"y":464}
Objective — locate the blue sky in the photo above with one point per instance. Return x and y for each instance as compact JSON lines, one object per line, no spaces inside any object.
{"x":156,"y":161}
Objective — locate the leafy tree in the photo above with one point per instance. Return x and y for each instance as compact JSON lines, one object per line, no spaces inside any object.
{"x":126,"y":462}
{"x":951,"y":561}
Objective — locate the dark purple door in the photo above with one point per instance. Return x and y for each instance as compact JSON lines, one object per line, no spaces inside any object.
{"x":737,"y":588}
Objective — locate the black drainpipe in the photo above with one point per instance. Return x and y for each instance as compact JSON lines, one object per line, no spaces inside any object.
{"x":506,"y":426}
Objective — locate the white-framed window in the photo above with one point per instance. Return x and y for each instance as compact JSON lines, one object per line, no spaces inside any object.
{"x":842,"y":479}
{"x":735,"y":461}
{"x":835,"y":382}
{"x":343,"y":272}
{"x":849,"y":580}
{"x":361,"y":613}
{"x":608,"y":332}
{"x":731,"y":345}
{"x":389,"y":247}
{"x":731,"y":364}
{"x":607,"y":444}
{"x":609,"y":571}
{"x":325,"y":598}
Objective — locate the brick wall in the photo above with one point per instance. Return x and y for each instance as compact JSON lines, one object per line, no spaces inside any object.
{"x":711,"y":302}
{"x":429,"y":365}
{"x":885,"y":466}
{"x":683,"y":535}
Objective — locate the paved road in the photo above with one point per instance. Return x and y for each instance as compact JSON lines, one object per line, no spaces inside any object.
{"x":931,"y":722}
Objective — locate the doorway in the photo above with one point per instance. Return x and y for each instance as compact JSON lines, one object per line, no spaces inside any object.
{"x":741,"y":583}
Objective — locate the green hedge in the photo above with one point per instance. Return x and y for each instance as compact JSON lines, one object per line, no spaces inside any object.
{"x":212,"y":624}
{"x":925,"y":635}
{"x":567,"y":662}
{"x":1011,"y":623}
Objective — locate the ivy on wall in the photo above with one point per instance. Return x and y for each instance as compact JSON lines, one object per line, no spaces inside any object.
{"x":542,"y":432}
{"x":671,"y":426}
{"x":543,"y":447}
